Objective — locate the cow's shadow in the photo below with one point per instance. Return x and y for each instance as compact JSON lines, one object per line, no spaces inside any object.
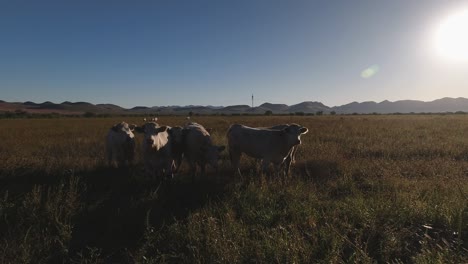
{"x":122,"y":204}
{"x":118,"y":205}
{"x":319,"y":172}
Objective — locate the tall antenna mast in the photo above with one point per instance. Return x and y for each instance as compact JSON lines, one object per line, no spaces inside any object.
{"x":252,"y":101}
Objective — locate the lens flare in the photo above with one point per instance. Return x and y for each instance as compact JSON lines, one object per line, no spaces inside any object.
{"x":369,"y":72}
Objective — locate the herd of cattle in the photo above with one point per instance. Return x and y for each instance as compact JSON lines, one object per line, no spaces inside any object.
{"x":165,"y":147}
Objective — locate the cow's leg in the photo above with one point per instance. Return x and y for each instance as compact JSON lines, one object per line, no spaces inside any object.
{"x":178,"y":162}
{"x":130,"y":158}
{"x":150,"y":169}
{"x":174,"y":167}
{"x":109,"y":156}
{"x":235,"y":156}
{"x":158,"y":171}
{"x":283,"y":169}
{"x":168,"y":169}
{"x":278,"y":173}
{"x":287,"y":164}
{"x":120,"y":157}
{"x":120,"y":163}
{"x":293,"y":154}
{"x":193,"y":169}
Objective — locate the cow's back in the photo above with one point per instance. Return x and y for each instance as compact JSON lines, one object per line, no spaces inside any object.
{"x":257,"y":143}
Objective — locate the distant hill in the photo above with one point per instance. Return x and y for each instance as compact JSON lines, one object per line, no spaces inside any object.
{"x":385,"y":107}
{"x":139,"y":108}
{"x":235,"y":109}
{"x":275,"y":108}
{"x":309,"y":107}
{"x":111,"y":107}
{"x":30,"y":103}
{"x":405,"y":106}
{"x":62,"y":108}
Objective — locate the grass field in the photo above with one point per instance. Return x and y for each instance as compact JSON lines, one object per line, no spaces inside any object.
{"x":364,"y":189}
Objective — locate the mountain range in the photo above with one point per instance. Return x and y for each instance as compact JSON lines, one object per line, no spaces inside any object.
{"x":385,"y":107}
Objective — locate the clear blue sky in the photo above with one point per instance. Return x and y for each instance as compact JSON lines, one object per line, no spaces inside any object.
{"x":220,"y":52}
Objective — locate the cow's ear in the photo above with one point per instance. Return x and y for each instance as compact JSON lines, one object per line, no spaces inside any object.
{"x":171,"y":130}
{"x":115,"y":128}
{"x":221,"y":148}
{"x":132,"y":127}
{"x":303,"y":130}
{"x":140,"y":129}
{"x":162,"y":129}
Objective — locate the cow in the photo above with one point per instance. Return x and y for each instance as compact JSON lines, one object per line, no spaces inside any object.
{"x":176,"y":136}
{"x":291,"y":158}
{"x":269,"y":145}
{"x":199,"y":149}
{"x":120,"y":144}
{"x":157,"y":149}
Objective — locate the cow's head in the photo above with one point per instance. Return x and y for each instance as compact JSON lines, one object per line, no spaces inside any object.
{"x":124,"y":131}
{"x":177,"y":135}
{"x":293,"y":133}
{"x":212,"y":154}
{"x":151,"y":131}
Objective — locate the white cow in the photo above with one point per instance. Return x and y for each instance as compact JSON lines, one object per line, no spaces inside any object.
{"x":157,"y":149}
{"x":120,"y":144}
{"x":269,"y":145}
{"x":199,"y":148}
{"x":291,"y":158}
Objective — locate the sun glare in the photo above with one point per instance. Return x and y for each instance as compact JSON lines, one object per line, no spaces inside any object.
{"x":451,"y":38}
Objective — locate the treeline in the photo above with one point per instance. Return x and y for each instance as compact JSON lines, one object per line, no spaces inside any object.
{"x":19,"y":114}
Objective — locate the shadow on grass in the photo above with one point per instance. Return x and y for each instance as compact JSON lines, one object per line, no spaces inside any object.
{"x":317,"y":171}
{"x":117,"y":205}
{"x":121,"y":204}
{"x":20,"y":181}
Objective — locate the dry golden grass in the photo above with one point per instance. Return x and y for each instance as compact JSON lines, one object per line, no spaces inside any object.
{"x":364,"y":189}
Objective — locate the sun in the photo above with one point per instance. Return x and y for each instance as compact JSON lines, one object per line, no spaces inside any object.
{"x":451,"y":38}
